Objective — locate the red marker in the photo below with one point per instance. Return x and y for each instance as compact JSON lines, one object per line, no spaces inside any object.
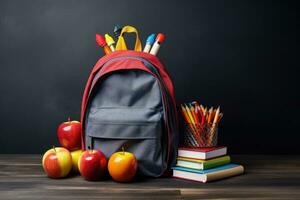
{"x":102,"y":43}
{"x":160,"y":38}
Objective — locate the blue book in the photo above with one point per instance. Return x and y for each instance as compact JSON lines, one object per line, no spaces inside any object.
{"x":207,"y":175}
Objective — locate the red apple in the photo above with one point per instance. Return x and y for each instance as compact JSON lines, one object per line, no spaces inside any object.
{"x":57,"y":162}
{"x":92,"y":165}
{"x":69,"y":135}
{"x":122,"y":166}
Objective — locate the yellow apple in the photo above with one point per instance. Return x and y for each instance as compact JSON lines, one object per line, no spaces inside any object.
{"x":75,"y":157}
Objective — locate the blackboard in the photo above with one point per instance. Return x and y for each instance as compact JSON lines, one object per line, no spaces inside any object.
{"x":241,"y":55}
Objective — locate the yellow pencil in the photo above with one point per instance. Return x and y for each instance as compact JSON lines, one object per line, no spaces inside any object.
{"x":185,"y":114}
{"x":212,"y":131}
{"x":190,"y":114}
{"x":193,"y":111}
{"x":216,"y":117}
{"x":202,"y":108}
{"x":209,"y":115}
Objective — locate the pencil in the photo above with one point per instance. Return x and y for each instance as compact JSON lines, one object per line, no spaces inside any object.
{"x":189,"y":114}
{"x":194,"y":115}
{"x":196,"y":130}
{"x":198,"y":111}
{"x":220,"y":117}
{"x":202,"y":108}
{"x":209,"y":115}
{"x":199,"y":115}
{"x":216,"y":117}
{"x":185,"y":115}
{"x":212,"y":131}
{"x":191,"y":124}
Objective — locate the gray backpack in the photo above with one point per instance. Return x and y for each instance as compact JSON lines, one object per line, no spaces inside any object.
{"x":129,"y":102}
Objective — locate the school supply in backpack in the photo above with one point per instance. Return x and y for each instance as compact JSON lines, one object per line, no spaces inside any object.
{"x":102,"y":43}
{"x":149,"y":42}
{"x":160,"y":38}
{"x":110,"y":42}
{"x":117,"y":31}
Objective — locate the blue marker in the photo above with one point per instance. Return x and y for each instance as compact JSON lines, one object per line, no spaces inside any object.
{"x":149,"y":42}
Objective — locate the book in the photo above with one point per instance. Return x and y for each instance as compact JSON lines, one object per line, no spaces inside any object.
{"x":202,"y":164}
{"x":207,"y":175}
{"x":202,"y":153}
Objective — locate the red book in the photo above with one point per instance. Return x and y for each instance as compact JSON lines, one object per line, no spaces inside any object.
{"x":202,"y":153}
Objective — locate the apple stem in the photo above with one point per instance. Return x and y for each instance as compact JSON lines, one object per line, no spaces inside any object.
{"x":123,"y":150}
{"x":69,"y":119}
{"x":54,"y":149}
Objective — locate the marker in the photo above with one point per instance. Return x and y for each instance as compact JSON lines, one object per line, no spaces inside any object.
{"x":160,"y":38}
{"x":117,"y":31}
{"x":149,"y":42}
{"x":101,"y":42}
{"x":110,"y":42}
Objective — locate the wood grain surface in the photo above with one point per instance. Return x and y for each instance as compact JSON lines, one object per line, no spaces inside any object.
{"x":266,"y":177}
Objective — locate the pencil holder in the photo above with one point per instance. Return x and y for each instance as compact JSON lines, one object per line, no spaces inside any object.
{"x":200,"y":136}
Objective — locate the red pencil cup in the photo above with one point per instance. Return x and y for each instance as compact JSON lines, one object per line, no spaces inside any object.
{"x":196,"y":135}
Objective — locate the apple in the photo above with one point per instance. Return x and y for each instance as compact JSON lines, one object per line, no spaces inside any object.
{"x":75,"y":157}
{"x":92,"y":165}
{"x":69,"y":135}
{"x":57,"y":162}
{"x":122,"y":166}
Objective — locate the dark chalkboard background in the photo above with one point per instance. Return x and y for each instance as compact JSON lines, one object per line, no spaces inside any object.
{"x":240,"y":55}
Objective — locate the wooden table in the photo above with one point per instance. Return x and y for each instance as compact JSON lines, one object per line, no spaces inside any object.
{"x":266,"y":177}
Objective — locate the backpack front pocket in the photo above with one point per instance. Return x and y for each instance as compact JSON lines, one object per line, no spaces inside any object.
{"x":138,"y":130}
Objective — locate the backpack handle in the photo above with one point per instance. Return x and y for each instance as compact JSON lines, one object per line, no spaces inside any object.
{"x":121,"y":44}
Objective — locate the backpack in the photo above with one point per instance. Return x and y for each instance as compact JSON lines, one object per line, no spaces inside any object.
{"x":129,"y":102}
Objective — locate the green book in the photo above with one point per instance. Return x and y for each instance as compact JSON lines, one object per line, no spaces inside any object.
{"x":202,"y":164}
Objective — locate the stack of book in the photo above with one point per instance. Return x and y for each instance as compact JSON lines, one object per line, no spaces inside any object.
{"x":205,"y":164}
